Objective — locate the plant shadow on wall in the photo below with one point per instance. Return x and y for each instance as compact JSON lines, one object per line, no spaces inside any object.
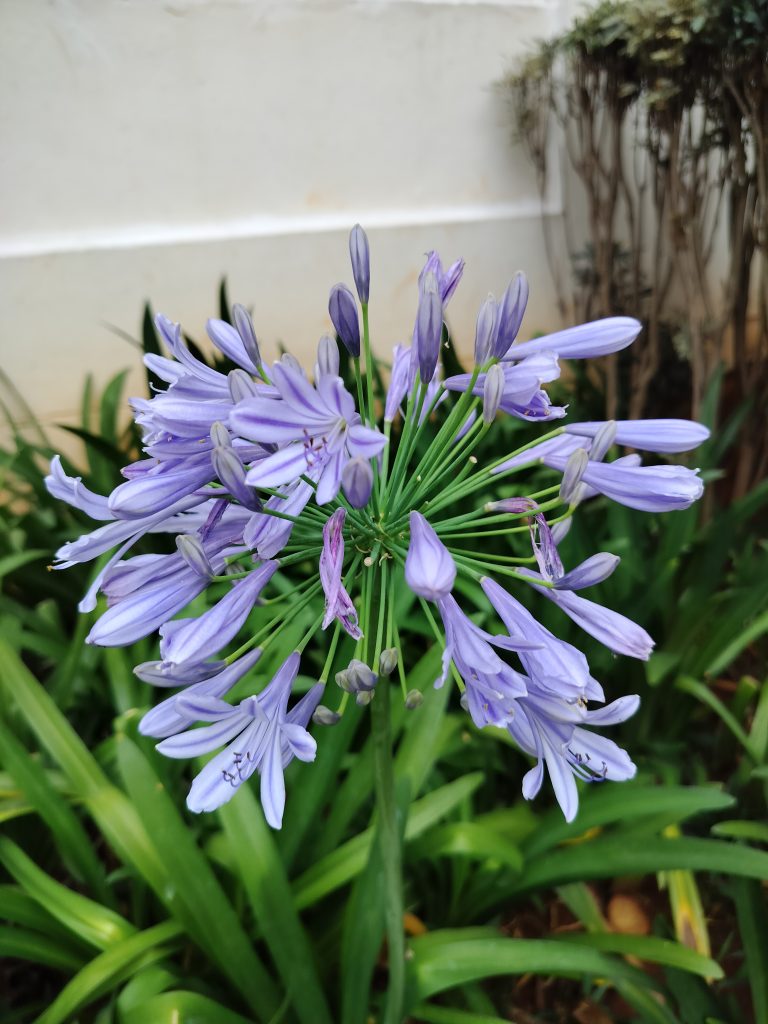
{"x":121,"y":907}
{"x":663,"y":108}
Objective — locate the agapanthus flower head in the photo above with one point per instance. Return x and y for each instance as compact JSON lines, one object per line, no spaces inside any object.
{"x":303,"y":502}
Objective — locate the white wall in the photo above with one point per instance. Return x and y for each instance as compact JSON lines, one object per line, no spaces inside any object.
{"x":148,"y":148}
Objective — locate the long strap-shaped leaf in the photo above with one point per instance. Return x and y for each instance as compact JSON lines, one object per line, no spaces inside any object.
{"x":261,"y":871}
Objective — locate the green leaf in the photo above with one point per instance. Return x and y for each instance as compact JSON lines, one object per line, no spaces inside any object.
{"x":341,"y":866}
{"x":205,"y":909}
{"x":753,"y":925}
{"x":625,"y":803}
{"x":429,"y":1014}
{"x":611,"y":857}
{"x":442,"y":960}
{"x":96,"y":924}
{"x":468,"y":839}
{"x":10,"y":563}
{"x":757,"y":831}
{"x":651,"y":948}
{"x":269,"y":893}
{"x":109,"y":969}
{"x":732,"y":650}
{"x":73,"y":841}
{"x":182,"y":1008}
{"x":39,"y":949}
{"x":706,"y":696}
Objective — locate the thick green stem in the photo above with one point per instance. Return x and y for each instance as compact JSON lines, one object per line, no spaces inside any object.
{"x":389,"y":834}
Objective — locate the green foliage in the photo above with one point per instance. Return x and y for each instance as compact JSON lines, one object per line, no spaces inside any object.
{"x":121,"y":907}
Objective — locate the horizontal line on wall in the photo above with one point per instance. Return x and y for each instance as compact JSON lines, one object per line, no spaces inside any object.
{"x":268,"y":226}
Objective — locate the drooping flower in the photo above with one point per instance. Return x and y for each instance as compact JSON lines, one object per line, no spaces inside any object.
{"x":338,"y":603}
{"x":262,"y":736}
{"x":568,"y":749}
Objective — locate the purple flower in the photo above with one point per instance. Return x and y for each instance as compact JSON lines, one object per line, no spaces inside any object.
{"x":361,"y":261}
{"x":568,"y":749}
{"x":357,"y":482}
{"x":429,"y":569}
{"x":447,"y":281}
{"x":267,"y":535}
{"x":194,"y":640}
{"x":649,"y":435}
{"x":555,"y":667}
{"x":262,"y":734}
{"x":327,"y":363}
{"x":338,"y":604}
{"x":169,"y":716}
{"x":522,"y":395}
{"x":428,"y":331}
{"x":321,"y":422}
{"x":587,"y":341}
{"x":399,"y":381}
{"x":491,"y":685}
{"x":239,"y":346}
{"x":343,"y":312}
{"x":648,"y":488}
{"x":509,"y":315}
{"x":484,"y":331}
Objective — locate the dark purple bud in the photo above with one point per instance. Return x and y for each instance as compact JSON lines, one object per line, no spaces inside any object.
{"x":357,"y":481}
{"x":486,"y":321}
{"x":510,"y":315}
{"x":361,"y":261}
{"x":343,"y":310}
{"x":191,"y":550}
{"x":429,"y":328}
{"x":244,"y":327}
{"x":493,"y":392}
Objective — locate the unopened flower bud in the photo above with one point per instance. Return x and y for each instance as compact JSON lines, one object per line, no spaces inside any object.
{"x":343,"y":310}
{"x":414,"y":699}
{"x":327,"y":357}
{"x":220,"y":435}
{"x":429,"y":327}
{"x":388,"y":661}
{"x":360,"y":676}
{"x":292,"y":363}
{"x":244,"y":327}
{"x":493,"y":392}
{"x":361,"y":261}
{"x":240,"y":385}
{"x":572,"y":474}
{"x":342,"y":680}
{"x":429,"y":569}
{"x":357,"y":481}
{"x":510,"y":314}
{"x":324,"y":716}
{"x":602,"y":441}
{"x":364,"y":697}
{"x":486,"y":321}
{"x":191,"y":549}
{"x":231,"y":472}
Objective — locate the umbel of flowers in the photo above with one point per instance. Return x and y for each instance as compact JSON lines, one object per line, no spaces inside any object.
{"x":280,"y":485}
